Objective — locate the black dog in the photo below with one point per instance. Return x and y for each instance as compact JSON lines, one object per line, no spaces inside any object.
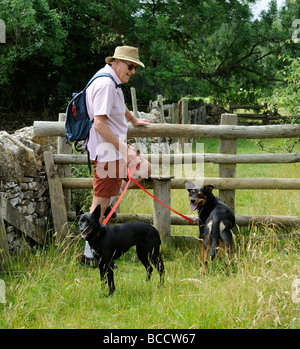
{"x":109,"y":242}
{"x":215,"y":219}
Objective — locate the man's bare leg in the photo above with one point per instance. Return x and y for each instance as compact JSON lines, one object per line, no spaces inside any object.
{"x":104,"y":202}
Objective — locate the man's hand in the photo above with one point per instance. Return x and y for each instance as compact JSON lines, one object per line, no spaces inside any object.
{"x":130,"y":155}
{"x":140,"y":122}
{"x":136,"y":121}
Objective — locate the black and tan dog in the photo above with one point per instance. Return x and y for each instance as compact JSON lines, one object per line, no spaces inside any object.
{"x":216,"y":219}
{"x":109,"y":242}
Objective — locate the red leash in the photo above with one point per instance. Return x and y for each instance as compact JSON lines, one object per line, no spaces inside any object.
{"x":120,"y":197}
{"x":146,"y":191}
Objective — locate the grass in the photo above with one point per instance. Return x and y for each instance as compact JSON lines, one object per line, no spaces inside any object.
{"x":48,"y":288}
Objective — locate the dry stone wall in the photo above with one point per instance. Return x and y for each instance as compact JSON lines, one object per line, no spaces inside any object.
{"x":23,"y":180}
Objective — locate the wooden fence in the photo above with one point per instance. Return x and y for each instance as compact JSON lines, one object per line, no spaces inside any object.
{"x":180,"y":113}
{"x":264,"y":118}
{"x":177,"y":113}
{"x":58,"y":170}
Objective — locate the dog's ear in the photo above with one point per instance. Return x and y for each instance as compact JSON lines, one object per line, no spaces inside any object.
{"x":97,"y":212}
{"x":78,"y":211}
{"x":189,"y":185}
{"x":209,"y":188}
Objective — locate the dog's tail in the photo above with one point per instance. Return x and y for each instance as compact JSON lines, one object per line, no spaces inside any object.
{"x":220,"y":229}
{"x":215,"y":238}
{"x":156,"y":259}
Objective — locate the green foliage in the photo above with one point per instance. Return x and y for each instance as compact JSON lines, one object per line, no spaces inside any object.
{"x":81,"y":197}
{"x":33,"y":52}
{"x":287,"y":96}
{"x":200,"y":48}
{"x":286,"y":100}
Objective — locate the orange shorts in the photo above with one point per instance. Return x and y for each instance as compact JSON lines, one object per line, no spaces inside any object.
{"x":108,"y":177}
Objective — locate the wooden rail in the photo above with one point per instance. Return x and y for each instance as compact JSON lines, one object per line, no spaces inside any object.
{"x":221,"y":183}
{"x":241,"y":220}
{"x":56,"y":128}
{"x":68,"y":159}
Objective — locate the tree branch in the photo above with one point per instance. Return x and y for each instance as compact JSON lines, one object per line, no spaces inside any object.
{"x":265,"y":77}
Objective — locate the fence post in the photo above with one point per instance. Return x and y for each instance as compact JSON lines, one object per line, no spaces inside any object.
{"x":184,"y":119}
{"x":185,"y":111}
{"x":161,"y":214}
{"x":202,"y":115}
{"x":4,"y":249}
{"x":57,"y":199}
{"x":228,"y":146}
{"x":135,"y":109}
{"x":175,"y":119}
{"x":64,"y":170}
{"x":161,"y":108}
{"x":134,"y":102}
{"x":171,"y":113}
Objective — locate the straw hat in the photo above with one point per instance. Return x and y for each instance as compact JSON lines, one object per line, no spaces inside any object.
{"x":126,"y":53}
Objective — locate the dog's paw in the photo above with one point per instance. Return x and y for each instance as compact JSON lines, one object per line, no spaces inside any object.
{"x":110,"y":294}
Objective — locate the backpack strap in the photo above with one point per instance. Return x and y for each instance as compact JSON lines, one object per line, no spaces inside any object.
{"x":99,"y":76}
{"x":88,"y":84}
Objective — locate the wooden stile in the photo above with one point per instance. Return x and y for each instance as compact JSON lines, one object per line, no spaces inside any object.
{"x":228,"y":133}
{"x":58,"y":205}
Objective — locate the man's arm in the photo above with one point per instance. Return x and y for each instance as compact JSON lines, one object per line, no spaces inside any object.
{"x":135,"y":121}
{"x":101,"y":126}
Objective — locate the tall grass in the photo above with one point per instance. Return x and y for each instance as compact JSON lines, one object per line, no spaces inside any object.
{"x":48,"y":288}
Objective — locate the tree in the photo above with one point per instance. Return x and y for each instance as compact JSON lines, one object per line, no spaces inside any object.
{"x":32,"y":53}
{"x":53,"y":47}
{"x":286,"y":100}
{"x":207,"y":48}
{"x":215,"y":46}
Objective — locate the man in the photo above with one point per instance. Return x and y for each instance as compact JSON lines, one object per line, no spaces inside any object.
{"x":107,"y":140}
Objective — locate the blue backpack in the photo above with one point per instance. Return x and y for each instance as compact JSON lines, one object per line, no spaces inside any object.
{"x":78,"y":123}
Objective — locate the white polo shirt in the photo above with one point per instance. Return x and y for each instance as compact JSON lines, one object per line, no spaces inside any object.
{"x":103,"y":98}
